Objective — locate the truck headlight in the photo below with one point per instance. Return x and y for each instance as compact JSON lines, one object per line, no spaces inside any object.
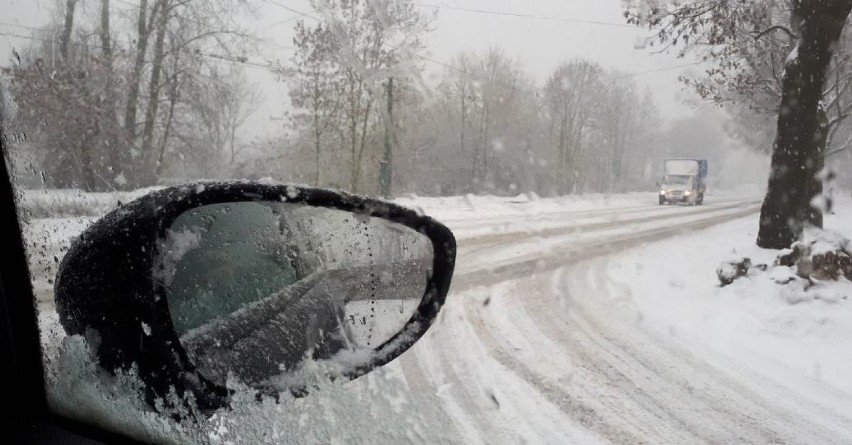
{"x":686,"y":193}
{"x":662,"y":192}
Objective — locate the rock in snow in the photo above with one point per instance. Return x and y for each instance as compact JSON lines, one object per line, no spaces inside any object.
{"x":730,"y":270}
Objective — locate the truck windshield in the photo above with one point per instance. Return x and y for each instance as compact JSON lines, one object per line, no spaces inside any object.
{"x":676,"y":179}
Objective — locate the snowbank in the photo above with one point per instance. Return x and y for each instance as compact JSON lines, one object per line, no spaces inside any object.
{"x":792,"y":329}
{"x":71,"y":203}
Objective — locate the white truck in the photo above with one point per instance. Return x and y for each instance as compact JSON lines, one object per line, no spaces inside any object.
{"x":684,"y":181}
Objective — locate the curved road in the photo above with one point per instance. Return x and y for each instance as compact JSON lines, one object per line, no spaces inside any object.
{"x":536,"y":345}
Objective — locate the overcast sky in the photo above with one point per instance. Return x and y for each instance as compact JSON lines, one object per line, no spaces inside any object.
{"x":539,"y":43}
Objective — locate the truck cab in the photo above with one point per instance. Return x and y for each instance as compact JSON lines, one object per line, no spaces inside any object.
{"x":683,"y":182}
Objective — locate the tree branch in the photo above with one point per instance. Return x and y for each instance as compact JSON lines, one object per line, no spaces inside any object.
{"x":776,"y":28}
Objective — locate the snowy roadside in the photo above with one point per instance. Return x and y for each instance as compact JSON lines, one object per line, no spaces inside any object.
{"x":471,"y":216}
{"x":465,"y":212}
{"x":798,"y":343}
{"x":55,"y":203}
{"x":55,"y":217}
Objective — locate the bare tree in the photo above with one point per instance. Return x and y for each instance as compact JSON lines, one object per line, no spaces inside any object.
{"x":317,"y":90}
{"x":371,"y":40}
{"x":240,"y":105}
{"x":487,"y":120}
{"x":67,"y":28}
{"x":144,"y":27}
{"x":570,"y":96}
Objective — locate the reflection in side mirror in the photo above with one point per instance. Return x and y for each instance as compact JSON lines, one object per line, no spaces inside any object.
{"x":246,"y":281}
{"x":255,"y":288}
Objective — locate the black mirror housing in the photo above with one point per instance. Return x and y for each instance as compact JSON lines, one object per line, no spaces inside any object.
{"x":105,"y":289}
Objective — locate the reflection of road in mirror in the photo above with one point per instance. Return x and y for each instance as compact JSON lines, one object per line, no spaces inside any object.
{"x":371,"y":323}
{"x":272,"y":335}
{"x":380,"y":299}
{"x":300,"y":283}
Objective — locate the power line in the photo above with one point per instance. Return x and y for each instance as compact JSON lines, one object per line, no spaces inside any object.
{"x":303,"y":14}
{"x":12,"y":34}
{"x":238,"y":59}
{"x":291,"y":19}
{"x":525,"y":16}
{"x":638,"y":73}
{"x":501,"y":13}
{"x":535,"y":90}
{"x":136,"y":5}
{"x":14,"y":25}
{"x":655,"y":70}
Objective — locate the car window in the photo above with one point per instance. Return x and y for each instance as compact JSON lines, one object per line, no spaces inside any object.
{"x":650,"y":200}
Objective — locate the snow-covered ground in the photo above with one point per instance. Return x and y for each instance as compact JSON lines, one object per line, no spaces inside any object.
{"x":473,"y":216}
{"x":50,"y":203}
{"x":801,"y":340}
{"x":585,"y":320}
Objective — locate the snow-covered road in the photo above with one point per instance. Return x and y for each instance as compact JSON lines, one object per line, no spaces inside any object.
{"x":534,"y":346}
{"x":537,"y":344}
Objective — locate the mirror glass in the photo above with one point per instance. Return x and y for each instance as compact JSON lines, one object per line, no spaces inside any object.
{"x":254,"y":288}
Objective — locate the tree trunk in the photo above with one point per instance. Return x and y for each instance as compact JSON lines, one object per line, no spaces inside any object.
{"x":317,"y":149}
{"x":562,"y":170}
{"x":125,"y":158}
{"x":362,"y":145}
{"x":106,"y":42}
{"x":386,"y":164}
{"x":797,"y":155}
{"x":141,"y":48}
{"x":354,"y":100}
{"x":148,"y":175}
{"x":83,"y":151}
{"x":174,"y":94}
{"x":67,"y":27}
{"x":112,"y":146}
{"x":317,"y":129}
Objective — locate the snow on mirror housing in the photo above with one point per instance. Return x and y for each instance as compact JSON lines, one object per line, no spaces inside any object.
{"x":201,"y":286}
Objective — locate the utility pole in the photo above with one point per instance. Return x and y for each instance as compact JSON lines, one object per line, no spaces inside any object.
{"x":386,"y":164}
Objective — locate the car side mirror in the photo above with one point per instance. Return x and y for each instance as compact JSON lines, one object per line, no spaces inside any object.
{"x":199,"y":284}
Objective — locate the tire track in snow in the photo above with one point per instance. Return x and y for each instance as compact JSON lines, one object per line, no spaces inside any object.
{"x":485,"y":397}
{"x":567,"y":251}
{"x":528,"y":208}
{"x":605,"y":410}
{"x":570,"y":404}
{"x":657,"y":421}
{"x":420,"y":368}
{"x":422,"y":386}
{"x":467,"y":399}
{"x":574,"y":222}
{"x":763,"y":423}
{"x":716,"y":416}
